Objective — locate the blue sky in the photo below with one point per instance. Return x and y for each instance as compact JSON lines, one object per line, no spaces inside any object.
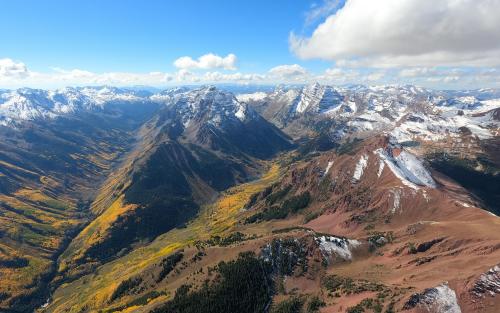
{"x":438,"y":44}
{"x":148,"y":35}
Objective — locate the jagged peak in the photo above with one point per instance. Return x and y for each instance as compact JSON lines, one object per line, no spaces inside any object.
{"x":318,"y":98}
{"x":218,"y":105}
{"x":31,"y":104}
{"x":208,"y":95}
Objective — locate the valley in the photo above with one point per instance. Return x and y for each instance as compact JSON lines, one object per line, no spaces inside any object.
{"x":48,"y":175}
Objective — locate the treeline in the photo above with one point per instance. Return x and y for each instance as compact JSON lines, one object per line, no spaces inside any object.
{"x":133,"y":284}
{"x":244,"y":285}
{"x":299,"y":304}
{"x":290,"y":206}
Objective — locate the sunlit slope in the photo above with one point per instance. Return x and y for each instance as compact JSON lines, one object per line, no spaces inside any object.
{"x":33,"y":228}
{"x":363,"y":226}
{"x":195,"y":147}
{"x":49,"y":172}
{"x":217,"y":219}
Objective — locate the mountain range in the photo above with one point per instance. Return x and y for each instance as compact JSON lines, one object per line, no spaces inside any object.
{"x":308,"y":198}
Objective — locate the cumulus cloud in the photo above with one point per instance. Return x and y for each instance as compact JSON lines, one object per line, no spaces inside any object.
{"x":374,"y":77}
{"x":11,"y":69}
{"x":338,"y":72}
{"x":341,"y":76}
{"x":207,"y":62}
{"x":185,"y":75}
{"x":288,"y":72}
{"x":449,"y":77}
{"x":392,"y":33}
{"x":15,"y":74}
{"x":74,"y":74}
{"x":417,"y":72}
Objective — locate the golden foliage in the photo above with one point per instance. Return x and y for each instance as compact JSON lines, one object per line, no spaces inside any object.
{"x":218,"y":218}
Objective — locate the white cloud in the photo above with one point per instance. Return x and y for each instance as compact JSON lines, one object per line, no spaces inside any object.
{"x":16,"y":74}
{"x":322,"y":10}
{"x":340,"y":76}
{"x":396,"y":33}
{"x":19,"y":76}
{"x":433,"y":73}
{"x":207,"y":62}
{"x":233,"y":77}
{"x":11,"y":69}
{"x":288,"y":72}
{"x":374,"y":77}
{"x":449,"y":77}
{"x":184,"y":75}
{"x":74,"y":74}
{"x":417,"y":72}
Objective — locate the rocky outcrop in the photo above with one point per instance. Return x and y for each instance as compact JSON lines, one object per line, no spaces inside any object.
{"x":488,"y":284}
{"x":440,"y":299}
{"x":333,"y":247}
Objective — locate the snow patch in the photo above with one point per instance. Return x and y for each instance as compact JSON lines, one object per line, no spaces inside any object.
{"x":335,"y":246}
{"x":46,"y":304}
{"x":327,"y":169}
{"x":463,"y":204}
{"x":240,"y":114}
{"x":408,"y":168}
{"x":488,"y":105}
{"x":426,"y":196}
{"x":381,"y":166}
{"x":360,"y":167}
{"x":396,"y":200}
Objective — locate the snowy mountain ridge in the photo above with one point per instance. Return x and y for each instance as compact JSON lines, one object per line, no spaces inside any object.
{"x":32,"y":104}
{"x":407,"y":112}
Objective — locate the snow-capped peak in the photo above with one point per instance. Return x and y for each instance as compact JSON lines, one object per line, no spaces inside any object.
{"x":317,"y":98}
{"x":214,"y":104}
{"x":408,"y":112}
{"x":32,"y":104}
